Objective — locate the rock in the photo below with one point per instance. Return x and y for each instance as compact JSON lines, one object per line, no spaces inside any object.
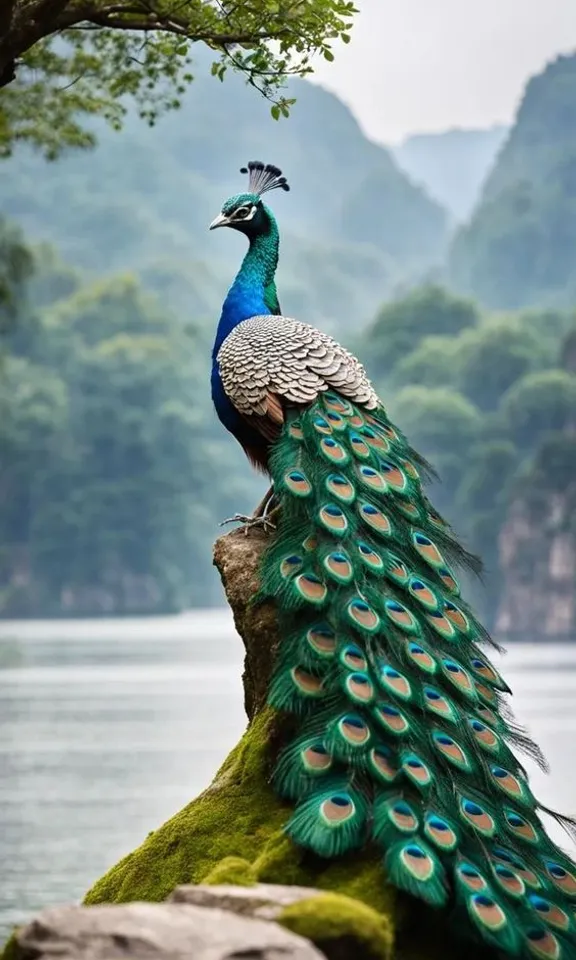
{"x":538,"y":561}
{"x":340,"y":926}
{"x":264,"y":900}
{"x":238,"y":559}
{"x":156,"y":932}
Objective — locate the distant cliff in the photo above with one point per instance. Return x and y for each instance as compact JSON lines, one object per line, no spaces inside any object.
{"x":537,"y":542}
{"x":538,"y":567}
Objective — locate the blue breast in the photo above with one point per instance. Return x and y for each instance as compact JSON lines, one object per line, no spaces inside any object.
{"x":229,"y":416}
{"x":244,"y":300}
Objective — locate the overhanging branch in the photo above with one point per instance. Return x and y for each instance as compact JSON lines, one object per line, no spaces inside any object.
{"x":131,"y":17}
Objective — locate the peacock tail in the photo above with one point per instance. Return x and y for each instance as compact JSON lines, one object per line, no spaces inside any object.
{"x":403,"y":738}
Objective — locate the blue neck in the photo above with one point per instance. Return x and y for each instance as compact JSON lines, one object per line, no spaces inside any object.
{"x":253,"y":292}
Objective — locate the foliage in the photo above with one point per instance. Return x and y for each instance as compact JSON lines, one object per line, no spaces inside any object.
{"x":493,"y":356}
{"x":78,"y":58}
{"x":427,"y":311}
{"x":540,"y":403}
{"x":430,"y":364}
{"x":15,"y":268}
{"x":437,"y":419}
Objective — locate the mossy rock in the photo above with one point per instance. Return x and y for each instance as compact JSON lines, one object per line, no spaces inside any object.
{"x":341,"y":927}
{"x":232,"y":833}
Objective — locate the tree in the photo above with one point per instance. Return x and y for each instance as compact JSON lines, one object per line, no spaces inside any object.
{"x":430,"y":364}
{"x":112,"y":470}
{"x":436,"y":420}
{"x":63,"y":60}
{"x":399,"y":326}
{"x":494,"y":356}
{"x":539,"y":404}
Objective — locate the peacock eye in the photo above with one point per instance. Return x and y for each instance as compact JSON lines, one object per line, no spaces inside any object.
{"x":241,"y":213}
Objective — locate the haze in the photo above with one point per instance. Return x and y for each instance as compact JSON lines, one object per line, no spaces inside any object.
{"x":429,"y":65}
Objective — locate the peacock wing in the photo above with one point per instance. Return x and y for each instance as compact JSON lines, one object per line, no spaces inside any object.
{"x":269,"y":362}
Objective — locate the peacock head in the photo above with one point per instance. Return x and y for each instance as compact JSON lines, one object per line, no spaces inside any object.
{"x":246,"y":212}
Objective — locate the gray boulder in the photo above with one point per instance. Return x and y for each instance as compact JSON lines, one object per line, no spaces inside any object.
{"x":264,"y":900}
{"x":152,"y":931}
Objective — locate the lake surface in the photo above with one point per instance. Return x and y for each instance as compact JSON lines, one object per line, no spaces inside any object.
{"x":108,"y":727}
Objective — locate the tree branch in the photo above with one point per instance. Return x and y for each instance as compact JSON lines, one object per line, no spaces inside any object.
{"x":122,"y":17}
{"x":21,"y":26}
{"x":6,"y":16}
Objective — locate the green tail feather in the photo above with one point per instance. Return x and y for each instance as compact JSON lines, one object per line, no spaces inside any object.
{"x":415,"y":868}
{"x":403,"y":740}
{"x":331,"y":821}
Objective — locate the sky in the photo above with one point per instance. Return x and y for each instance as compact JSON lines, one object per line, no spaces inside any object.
{"x":429,"y":65}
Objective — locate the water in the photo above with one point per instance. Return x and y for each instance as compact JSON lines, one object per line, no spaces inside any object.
{"x":107,"y":728}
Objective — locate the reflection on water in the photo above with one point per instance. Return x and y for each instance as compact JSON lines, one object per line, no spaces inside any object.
{"x":109,"y":727}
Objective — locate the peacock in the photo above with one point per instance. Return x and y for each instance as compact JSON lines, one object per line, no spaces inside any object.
{"x":403,"y":739}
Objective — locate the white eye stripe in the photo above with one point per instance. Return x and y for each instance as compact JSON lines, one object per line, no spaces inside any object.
{"x":248,"y":216}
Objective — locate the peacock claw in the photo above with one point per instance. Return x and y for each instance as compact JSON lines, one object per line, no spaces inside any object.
{"x":249,"y":522}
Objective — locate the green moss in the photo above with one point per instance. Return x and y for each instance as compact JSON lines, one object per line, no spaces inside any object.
{"x":233,"y":833}
{"x":234,"y":817}
{"x":232,"y":870}
{"x":358,"y":875}
{"x":10,"y":951}
{"x":340,"y":927}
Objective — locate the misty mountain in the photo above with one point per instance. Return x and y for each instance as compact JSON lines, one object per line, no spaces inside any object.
{"x":519,"y":248}
{"x":452,"y":165}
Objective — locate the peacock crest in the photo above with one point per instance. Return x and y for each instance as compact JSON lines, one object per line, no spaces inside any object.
{"x":264,"y":177}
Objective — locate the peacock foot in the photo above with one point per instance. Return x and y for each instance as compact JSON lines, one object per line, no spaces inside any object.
{"x":265,"y":521}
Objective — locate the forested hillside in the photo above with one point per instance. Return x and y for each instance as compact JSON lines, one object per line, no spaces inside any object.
{"x":519,"y":248}
{"x":116,"y":472}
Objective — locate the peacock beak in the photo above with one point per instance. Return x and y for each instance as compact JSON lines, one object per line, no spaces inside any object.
{"x":219,"y":221}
